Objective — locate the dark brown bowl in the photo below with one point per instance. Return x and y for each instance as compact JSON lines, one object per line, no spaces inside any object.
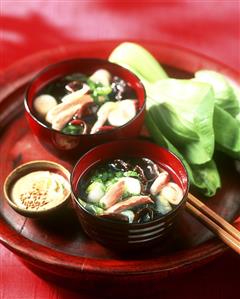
{"x":119,"y":235}
{"x":70,"y":147}
{"x":30,"y":167}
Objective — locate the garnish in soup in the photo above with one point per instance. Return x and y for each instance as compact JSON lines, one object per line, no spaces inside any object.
{"x":132,"y":190}
{"x":39,"y":190}
{"x":80,"y":104}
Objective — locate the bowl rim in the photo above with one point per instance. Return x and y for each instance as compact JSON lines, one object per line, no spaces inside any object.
{"x":123,"y":224}
{"x":25,"y":166}
{"x":66,"y":61}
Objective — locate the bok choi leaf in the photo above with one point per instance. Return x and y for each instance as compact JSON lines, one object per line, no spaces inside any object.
{"x":204,"y":177}
{"x":224,"y":95}
{"x":227,"y":132}
{"x":139,"y":60}
{"x":189,"y":117}
{"x":184,"y":111}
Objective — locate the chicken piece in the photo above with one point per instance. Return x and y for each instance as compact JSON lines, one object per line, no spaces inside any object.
{"x":112,"y":196}
{"x":74,"y":98}
{"x":76,"y":94}
{"x":102,"y":115}
{"x":129,"y":203}
{"x":159,"y":182}
{"x":60,"y":120}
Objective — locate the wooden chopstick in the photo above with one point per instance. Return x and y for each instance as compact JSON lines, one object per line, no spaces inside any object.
{"x":214,"y":216}
{"x":223,"y":229}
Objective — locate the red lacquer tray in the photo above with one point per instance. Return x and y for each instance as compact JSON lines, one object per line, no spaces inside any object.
{"x":58,"y":248}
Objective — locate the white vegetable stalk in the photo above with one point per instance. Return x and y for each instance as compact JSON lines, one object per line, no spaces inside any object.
{"x":134,"y":56}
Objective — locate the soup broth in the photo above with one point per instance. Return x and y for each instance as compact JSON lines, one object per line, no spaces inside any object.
{"x":81,"y":104}
{"x":135,"y":190}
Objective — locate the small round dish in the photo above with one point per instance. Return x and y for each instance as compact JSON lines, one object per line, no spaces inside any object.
{"x":70,"y":146}
{"x":38,"y":188}
{"x":120,"y":235}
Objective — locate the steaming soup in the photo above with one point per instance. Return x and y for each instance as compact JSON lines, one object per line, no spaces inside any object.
{"x":131,"y":190}
{"x":80,"y":104}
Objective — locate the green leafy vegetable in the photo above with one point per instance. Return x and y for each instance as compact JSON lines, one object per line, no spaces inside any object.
{"x":227,"y":132}
{"x":206,"y":178}
{"x":236,"y":91}
{"x":95,"y":191}
{"x":189,"y":117}
{"x":103,"y":176}
{"x":223,"y":92}
{"x":91,"y":207}
{"x":99,"y":92}
{"x":226,"y":112}
{"x":131,"y":173}
{"x":136,"y":58}
{"x":184,"y":111}
{"x":198,"y":174}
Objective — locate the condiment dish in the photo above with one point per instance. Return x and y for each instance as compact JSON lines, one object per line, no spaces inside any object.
{"x":37,"y":188}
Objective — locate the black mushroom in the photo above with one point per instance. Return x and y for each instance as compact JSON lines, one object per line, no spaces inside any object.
{"x":149,"y":168}
{"x":119,"y":87}
{"x":141,"y":174}
{"x":120,"y":165}
{"x":144,"y":215}
{"x":73,"y":86}
{"x":87,"y":113}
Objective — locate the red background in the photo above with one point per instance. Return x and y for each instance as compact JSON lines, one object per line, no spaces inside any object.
{"x":209,"y":27}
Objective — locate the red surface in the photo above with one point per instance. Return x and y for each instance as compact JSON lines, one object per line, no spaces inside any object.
{"x":209,"y":27}
{"x":27,"y":236}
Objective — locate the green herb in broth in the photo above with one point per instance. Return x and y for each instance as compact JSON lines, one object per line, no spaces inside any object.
{"x":131,"y":173}
{"x":91,"y":207}
{"x":72,"y":129}
{"x":99,"y":92}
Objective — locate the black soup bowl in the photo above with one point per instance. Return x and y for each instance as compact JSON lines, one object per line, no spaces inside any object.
{"x":50,"y":83}
{"x":114,"y":233}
